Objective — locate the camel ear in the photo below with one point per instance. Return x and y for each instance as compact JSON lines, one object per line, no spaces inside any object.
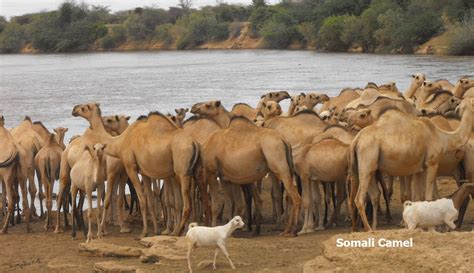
{"x":66,"y":129}
{"x":218,"y":103}
{"x":176,"y":111}
{"x":186,"y":110}
{"x":103,"y":146}
{"x":264,"y":104}
{"x":117,"y":118}
{"x":271,"y":95}
{"x":127,"y":117}
{"x":97,"y":104}
{"x":413,"y":76}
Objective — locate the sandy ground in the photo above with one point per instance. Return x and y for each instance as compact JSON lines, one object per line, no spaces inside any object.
{"x":46,"y":252}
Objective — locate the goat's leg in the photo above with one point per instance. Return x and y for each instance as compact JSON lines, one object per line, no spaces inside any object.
{"x":191,"y":247}
{"x":215,"y":258}
{"x":221,"y":245}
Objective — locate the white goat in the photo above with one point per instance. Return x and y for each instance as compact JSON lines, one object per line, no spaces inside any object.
{"x":212,"y":236}
{"x":87,"y":175}
{"x":429,"y":214}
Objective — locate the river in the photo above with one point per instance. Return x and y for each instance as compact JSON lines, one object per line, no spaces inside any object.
{"x":47,"y":86}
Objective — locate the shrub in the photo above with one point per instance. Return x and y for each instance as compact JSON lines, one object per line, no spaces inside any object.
{"x":234,"y":29}
{"x":308,"y":32}
{"x":276,"y":34}
{"x":11,"y":38}
{"x":163,"y":34}
{"x":461,"y":37}
{"x":200,"y":28}
{"x":330,"y":34}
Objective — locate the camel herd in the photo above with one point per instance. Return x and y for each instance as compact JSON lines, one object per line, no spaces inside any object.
{"x":348,"y":152}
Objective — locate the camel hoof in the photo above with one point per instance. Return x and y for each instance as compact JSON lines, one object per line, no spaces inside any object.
{"x":58,"y":231}
{"x":319,"y":228}
{"x":305,"y":231}
{"x":125,"y":230}
{"x":288,"y":234}
{"x":165,"y":232}
{"x":3,"y":232}
{"x":143,"y":235}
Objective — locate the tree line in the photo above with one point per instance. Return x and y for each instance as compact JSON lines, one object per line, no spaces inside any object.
{"x":381,"y":26}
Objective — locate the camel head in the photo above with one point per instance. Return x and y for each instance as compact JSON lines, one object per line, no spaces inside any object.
{"x":181,"y":113}
{"x":389,"y":88}
{"x":431,"y":87}
{"x":270,"y":109}
{"x":298,"y":99}
{"x":418,"y":78}
{"x":116,"y":123}
{"x":60,"y":131}
{"x":259,"y":121}
{"x":275,"y":96}
{"x":96,"y":151}
{"x":312,"y":99}
{"x":466,"y":83}
{"x":210,"y":108}
{"x":360,"y":119}
{"x":86,"y":111}
{"x":300,"y":108}
{"x":372,"y":85}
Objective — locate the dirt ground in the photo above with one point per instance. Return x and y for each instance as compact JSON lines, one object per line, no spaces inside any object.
{"x":316,"y":252}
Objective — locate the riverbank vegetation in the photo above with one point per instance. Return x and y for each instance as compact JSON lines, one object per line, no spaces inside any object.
{"x":381,"y":26}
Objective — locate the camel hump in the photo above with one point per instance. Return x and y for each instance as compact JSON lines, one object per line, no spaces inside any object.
{"x":241,"y":104}
{"x":241,"y":123}
{"x":368,"y":97}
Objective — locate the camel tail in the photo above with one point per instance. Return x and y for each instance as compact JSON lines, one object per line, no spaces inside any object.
{"x":192,"y":225}
{"x":194,"y":160}
{"x":289,"y":157}
{"x":48,"y":169}
{"x":13,"y":158}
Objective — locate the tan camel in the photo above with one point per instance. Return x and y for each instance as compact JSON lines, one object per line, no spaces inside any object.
{"x":325,"y":160}
{"x":270,"y":109}
{"x":313,"y":99}
{"x":445,"y":84}
{"x":116,"y":124}
{"x":41,"y":130}
{"x":47,"y":162}
{"x":416,"y":82}
{"x":87,"y":175}
{"x":254,"y":152}
{"x":469,"y":94}
{"x":390,"y":89}
{"x":243,"y":109}
{"x":462,"y":86}
{"x":337,"y":104}
{"x":25,"y":136}
{"x":172,"y":155}
{"x":295,"y":101}
{"x":384,"y":147}
{"x":12,"y":169}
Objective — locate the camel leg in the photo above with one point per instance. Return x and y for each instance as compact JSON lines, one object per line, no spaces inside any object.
{"x":178,"y":203}
{"x":204,"y":195}
{"x":374,"y":195}
{"x":133,"y":175}
{"x":109,"y":195}
{"x":277,"y":200}
{"x":386,"y":193}
{"x":248,"y":202}
{"x":48,"y":185}
{"x":360,"y":199}
{"x":40,"y":192}
{"x":287,"y":180}
{"x":318,"y":203}
{"x":74,"y":211}
{"x":150,"y":202}
{"x":354,"y":185}
{"x":63,"y":182}
{"x":214,"y":190}
{"x":8,"y":188}
{"x":33,"y":191}
{"x":169,"y":204}
{"x":229,"y":201}
{"x":80,"y":213}
{"x":258,"y":207}
{"x":431,"y":171}
{"x":340,"y":197}
{"x":100,"y":212}
{"x":24,"y":197}
{"x":239,"y":203}
{"x":306,"y":198}
{"x":185,"y":181}
{"x":120,"y":200}
{"x":89,"y":214}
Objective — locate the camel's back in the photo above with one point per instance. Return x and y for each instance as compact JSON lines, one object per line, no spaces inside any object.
{"x":245,"y":110}
{"x":7,"y":146}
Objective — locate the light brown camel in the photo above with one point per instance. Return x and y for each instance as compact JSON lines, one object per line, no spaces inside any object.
{"x":295,"y":101}
{"x":385,"y":147}
{"x":172,"y":155}
{"x":254,"y":152}
{"x":313,"y":99}
{"x":325,"y":160}
{"x":25,"y":136}
{"x":12,"y":171}
{"x":47,"y":162}
{"x":270,"y":109}
{"x":445,"y":84}
{"x":416,"y":82}
{"x":87,"y":175}
{"x":462,"y":85}
{"x":390,"y":89}
{"x":243,"y":109}
{"x":337,"y":104}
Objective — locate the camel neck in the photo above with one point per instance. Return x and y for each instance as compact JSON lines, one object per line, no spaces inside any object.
{"x":96,"y":123}
{"x":458,"y":91}
{"x":411,"y":90}
{"x":453,"y":141}
{"x":60,"y":139}
{"x":223,"y":118}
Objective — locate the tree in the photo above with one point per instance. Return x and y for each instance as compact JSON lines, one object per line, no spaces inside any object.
{"x":11,"y":39}
{"x":185,"y":4}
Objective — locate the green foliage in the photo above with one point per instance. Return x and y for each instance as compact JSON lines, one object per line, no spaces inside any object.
{"x":116,"y":35}
{"x":331,"y":33}
{"x":308,"y":32}
{"x":199,"y":28}
{"x":163,"y":34}
{"x":461,"y":38}
{"x":277,"y":34}
{"x":11,"y":38}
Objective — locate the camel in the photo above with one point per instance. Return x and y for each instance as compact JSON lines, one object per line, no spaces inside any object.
{"x":445,"y":84}
{"x":325,"y":160}
{"x":87,"y":175}
{"x":385,"y":147}
{"x":243,"y":109}
{"x":469,"y":94}
{"x":12,"y":169}
{"x":171,"y":156}
{"x":270,"y":109}
{"x":390,"y":89}
{"x":313,"y":99}
{"x":47,"y":162}
{"x":462,"y":86}
{"x":337,"y":104}
{"x":296,"y":100}
{"x":416,"y":82}
{"x":31,"y":142}
{"x":116,"y":124}
{"x":254,"y":152}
